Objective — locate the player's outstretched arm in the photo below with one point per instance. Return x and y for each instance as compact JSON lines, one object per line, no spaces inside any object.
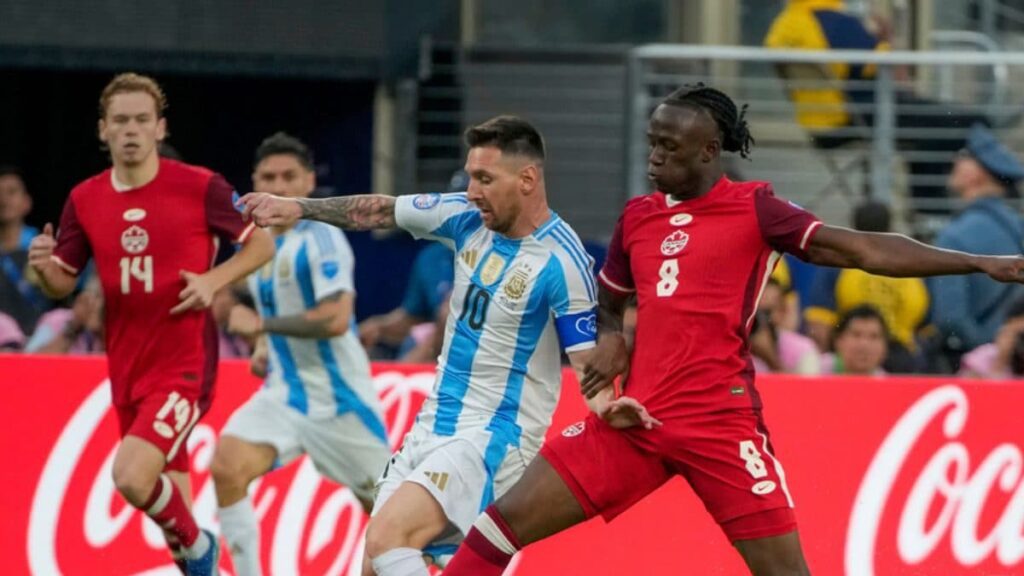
{"x":899,"y":256}
{"x":360,"y":212}
{"x":611,"y":357}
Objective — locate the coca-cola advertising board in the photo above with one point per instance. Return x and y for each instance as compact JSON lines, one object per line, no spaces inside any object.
{"x":890,"y":476}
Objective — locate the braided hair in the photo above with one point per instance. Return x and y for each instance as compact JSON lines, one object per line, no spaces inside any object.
{"x":721,"y":108}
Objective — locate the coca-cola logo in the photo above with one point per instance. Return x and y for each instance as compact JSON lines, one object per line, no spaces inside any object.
{"x":309,"y":525}
{"x":955,"y":506}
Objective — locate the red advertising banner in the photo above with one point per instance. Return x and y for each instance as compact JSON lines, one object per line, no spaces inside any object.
{"x":890,"y":476}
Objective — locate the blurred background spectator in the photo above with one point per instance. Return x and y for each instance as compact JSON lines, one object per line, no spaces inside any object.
{"x":19,"y":298}
{"x":12,"y":339}
{"x":78,"y":330}
{"x":902,"y":302}
{"x":968,"y":310}
{"x":861,"y":344}
{"x":1003,"y":358}
{"x":775,"y":346}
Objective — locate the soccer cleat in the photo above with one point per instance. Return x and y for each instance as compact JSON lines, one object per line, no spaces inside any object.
{"x":207,"y":564}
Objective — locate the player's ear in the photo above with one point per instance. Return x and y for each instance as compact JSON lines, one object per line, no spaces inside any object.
{"x":101,"y":128}
{"x":529,"y":176}
{"x":711,"y":150}
{"x":161,"y":129}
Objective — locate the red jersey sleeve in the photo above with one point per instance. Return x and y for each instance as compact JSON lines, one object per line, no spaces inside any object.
{"x":784,"y":226}
{"x":616,"y":274}
{"x":72,"y":252}
{"x":223,"y":218}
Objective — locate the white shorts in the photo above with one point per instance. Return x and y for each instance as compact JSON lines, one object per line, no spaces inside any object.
{"x":342,"y":448}
{"x":454,"y":469}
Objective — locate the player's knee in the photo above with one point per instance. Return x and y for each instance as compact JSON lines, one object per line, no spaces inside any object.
{"x":383,"y":533}
{"x":135,"y":486}
{"x":227,"y":469}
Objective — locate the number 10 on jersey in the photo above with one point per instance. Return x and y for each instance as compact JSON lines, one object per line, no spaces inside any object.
{"x":140,"y":268}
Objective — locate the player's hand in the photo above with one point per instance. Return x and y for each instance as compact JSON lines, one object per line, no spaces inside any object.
{"x":1004,"y":268}
{"x":369,"y":332}
{"x":269,"y":210}
{"x":244,"y":321}
{"x":626,"y":412}
{"x":609,"y":359}
{"x":197,"y":294}
{"x":260,"y":359}
{"x":41,"y":248}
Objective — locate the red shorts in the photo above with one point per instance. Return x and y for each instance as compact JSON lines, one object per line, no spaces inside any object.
{"x":726,"y":457}
{"x":164,"y":418}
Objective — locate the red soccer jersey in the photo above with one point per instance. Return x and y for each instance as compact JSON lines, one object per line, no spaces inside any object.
{"x":698,"y":268}
{"x":140,"y":239}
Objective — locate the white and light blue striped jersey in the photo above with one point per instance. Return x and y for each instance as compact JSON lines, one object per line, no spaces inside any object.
{"x":515,"y":304}
{"x":318,"y":377}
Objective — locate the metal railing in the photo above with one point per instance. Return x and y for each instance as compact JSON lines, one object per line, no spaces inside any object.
{"x":904,"y":131}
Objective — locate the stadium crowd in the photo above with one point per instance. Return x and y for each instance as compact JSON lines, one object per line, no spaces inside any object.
{"x":827,"y":321}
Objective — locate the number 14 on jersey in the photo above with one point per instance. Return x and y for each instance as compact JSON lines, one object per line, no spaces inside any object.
{"x":139,"y":268}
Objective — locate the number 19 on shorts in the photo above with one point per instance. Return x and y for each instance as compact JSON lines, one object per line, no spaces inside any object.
{"x":139,"y":268}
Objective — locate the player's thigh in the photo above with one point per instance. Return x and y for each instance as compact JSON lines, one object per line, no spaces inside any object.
{"x":774,"y":555}
{"x":539,"y":504}
{"x":163,"y":419}
{"x":137,"y":463}
{"x":347,"y":451}
{"x":729,"y":462}
{"x":603,"y":468}
{"x":411,"y":517}
{"x":239,"y":461}
{"x":260,"y":434}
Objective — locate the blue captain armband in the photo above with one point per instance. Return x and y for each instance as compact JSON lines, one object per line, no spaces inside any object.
{"x":577,"y":331}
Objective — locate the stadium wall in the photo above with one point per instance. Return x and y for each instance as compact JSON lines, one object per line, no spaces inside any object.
{"x":890,"y":476}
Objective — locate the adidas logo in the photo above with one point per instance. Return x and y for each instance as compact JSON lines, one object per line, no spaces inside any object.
{"x":439,"y":479}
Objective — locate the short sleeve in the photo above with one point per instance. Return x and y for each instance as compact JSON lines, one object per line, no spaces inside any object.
{"x":72,"y":252}
{"x":447,"y":218}
{"x":572,"y":293}
{"x":616,"y":274}
{"x":223,"y":215}
{"x":784,"y":226}
{"x":331,"y":261}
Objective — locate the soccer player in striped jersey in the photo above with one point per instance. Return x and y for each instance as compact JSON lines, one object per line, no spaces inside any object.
{"x":524,"y":290}
{"x":318,"y":397}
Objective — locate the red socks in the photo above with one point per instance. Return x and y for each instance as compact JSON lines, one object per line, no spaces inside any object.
{"x":488,"y":547}
{"x":167,"y":507}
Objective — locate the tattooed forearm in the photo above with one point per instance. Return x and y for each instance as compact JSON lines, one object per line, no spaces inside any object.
{"x":363,"y":212}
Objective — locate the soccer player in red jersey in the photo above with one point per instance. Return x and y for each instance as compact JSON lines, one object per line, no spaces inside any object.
{"x":697,"y":254}
{"x":152,"y":226}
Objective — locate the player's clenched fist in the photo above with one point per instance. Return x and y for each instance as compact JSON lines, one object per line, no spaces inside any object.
{"x":269,"y":210}
{"x":41,"y":248}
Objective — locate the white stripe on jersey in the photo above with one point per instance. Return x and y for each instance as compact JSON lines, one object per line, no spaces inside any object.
{"x":320,"y":378}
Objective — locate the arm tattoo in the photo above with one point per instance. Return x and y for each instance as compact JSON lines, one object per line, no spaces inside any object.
{"x":362,"y":212}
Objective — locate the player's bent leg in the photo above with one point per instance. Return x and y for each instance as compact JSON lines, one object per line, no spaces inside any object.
{"x":137,"y":467}
{"x":774,"y":555}
{"x":539,"y":505}
{"x":236,"y":463}
{"x":409,"y":520}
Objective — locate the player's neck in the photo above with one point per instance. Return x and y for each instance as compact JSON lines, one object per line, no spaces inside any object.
{"x":700,"y":186}
{"x":136,"y":176}
{"x":530,"y":219}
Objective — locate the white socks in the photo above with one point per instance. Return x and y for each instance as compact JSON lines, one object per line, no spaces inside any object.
{"x":400,"y":562}
{"x":242,"y":532}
